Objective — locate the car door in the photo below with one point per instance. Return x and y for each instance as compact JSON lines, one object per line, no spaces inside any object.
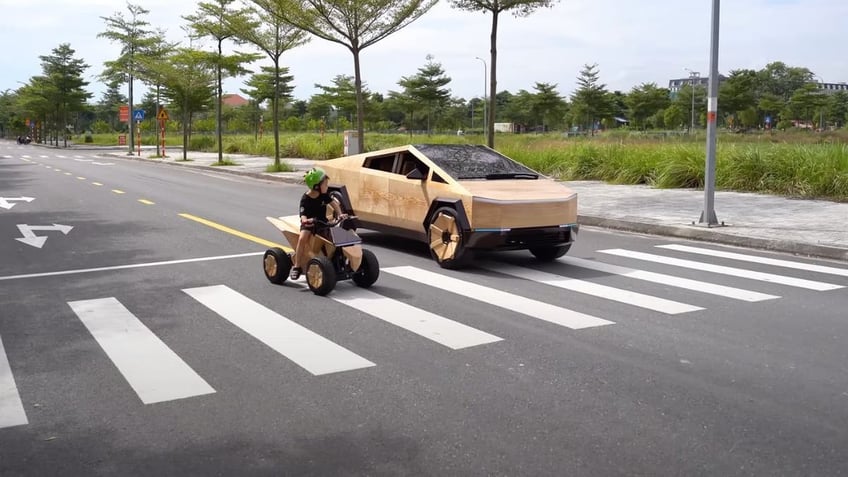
{"x":410,"y":197}
{"x":373,"y":197}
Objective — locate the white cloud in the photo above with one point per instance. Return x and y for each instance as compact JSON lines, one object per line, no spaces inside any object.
{"x":632,"y":42}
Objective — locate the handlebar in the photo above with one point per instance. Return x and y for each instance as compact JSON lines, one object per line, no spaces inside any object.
{"x":332,"y":223}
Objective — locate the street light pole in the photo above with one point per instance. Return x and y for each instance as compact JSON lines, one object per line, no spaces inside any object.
{"x":708,"y":215}
{"x":693,"y":76}
{"x":485,"y":98}
{"x":821,"y":109}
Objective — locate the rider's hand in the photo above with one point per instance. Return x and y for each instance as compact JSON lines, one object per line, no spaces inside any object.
{"x":343,"y":216}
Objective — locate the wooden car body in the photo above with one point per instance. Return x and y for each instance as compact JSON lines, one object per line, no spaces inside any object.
{"x":499,"y":203}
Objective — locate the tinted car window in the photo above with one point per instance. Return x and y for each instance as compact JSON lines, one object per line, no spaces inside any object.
{"x":475,"y":162}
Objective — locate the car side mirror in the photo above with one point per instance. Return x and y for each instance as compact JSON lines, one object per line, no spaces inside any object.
{"x":415,"y":174}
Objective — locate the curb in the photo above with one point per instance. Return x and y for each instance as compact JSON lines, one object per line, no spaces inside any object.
{"x":710,"y":235}
{"x":278,"y":177}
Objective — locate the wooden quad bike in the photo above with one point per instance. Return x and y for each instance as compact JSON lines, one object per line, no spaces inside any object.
{"x":335,"y":254}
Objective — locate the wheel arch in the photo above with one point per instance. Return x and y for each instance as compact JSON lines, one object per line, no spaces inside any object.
{"x":455,"y":204}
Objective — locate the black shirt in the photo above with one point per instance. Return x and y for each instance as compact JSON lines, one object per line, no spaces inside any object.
{"x":316,"y":207}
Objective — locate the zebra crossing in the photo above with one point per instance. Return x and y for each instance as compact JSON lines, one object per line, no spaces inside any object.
{"x":158,"y":374}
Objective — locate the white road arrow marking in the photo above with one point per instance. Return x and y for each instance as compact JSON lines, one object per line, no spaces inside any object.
{"x":30,"y":238}
{"x":5,"y":202}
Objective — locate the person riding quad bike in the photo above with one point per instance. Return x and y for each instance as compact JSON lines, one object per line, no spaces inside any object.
{"x":313,"y":205}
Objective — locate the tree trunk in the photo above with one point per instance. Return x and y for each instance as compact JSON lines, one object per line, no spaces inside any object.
{"x":276,"y":107}
{"x":186,"y":126}
{"x":360,"y":106}
{"x":130,"y":119}
{"x":218,"y":109}
{"x":493,"y":83}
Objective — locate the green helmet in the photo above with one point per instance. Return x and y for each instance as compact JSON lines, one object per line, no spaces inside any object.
{"x":314,"y":177}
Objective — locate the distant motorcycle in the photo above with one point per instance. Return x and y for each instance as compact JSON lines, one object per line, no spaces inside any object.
{"x":24,"y":140}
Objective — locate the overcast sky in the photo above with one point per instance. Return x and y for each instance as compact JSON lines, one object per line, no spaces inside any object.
{"x":632,"y":41}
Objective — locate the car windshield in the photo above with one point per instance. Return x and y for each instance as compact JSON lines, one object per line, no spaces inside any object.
{"x":475,"y":162}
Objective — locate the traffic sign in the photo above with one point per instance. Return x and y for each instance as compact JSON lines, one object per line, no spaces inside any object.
{"x":163,"y":115}
{"x":768,"y":119}
{"x":124,"y":113}
{"x":138,"y":115}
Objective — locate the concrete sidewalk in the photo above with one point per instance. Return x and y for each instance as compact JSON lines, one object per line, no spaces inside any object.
{"x":805,"y":227}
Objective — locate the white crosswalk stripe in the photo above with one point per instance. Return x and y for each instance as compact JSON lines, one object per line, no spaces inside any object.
{"x":311,"y":351}
{"x":737,"y":272}
{"x":429,"y":325}
{"x":670,"y":280}
{"x":589,"y":288}
{"x":11,"y":408}
{"x":757,"y":259}
{"x":519,"y":304}
{"x":152,"y":369}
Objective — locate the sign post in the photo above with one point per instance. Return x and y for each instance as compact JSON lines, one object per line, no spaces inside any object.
{"x":162,"y":117}
{"x":138,"y":115}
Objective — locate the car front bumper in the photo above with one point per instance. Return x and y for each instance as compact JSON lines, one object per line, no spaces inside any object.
{"x":522,"y":238}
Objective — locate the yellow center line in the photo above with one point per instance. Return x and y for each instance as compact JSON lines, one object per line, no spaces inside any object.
{"x":118,"y":191}
{"x":146,"y":202}
{"x":224,"y":228}
{"x":97,"y":183}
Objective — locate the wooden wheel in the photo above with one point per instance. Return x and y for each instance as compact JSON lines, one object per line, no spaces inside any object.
{"x":276,"y":265}
{"x":447,"y":245}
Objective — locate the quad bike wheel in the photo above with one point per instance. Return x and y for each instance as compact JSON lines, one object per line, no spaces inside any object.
{"x":277,"y":265}
{"x":320,"y":275}
{"x":548,"y":254}
{"x":447,"y":243}
{"x":368,"y":271}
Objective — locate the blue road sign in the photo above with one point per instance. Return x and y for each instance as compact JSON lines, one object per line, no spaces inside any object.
{"x":768,"y":119}
{"x":138,"y":115}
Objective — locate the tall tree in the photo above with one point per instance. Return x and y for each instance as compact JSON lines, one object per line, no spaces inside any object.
{"x":519,"y":8}
{"x":738,"y":93}
{"x":341,"y":96}
{"x":356,"y":25}
{"x":65,"y":73}
{"x":645,"y":101}
{"x":782,"y":80}
{"x":220,"y":20}
{"x":548,"y":105}
{"x":274,"y":37}
{"x":426,"y":88}
{"x":157,"y":49}
{"x":134,"y":37}
{"x":591,"y":99}
{"x":188,"y":80}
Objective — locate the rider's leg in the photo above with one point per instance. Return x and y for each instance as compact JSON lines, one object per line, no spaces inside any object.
{"x":300,"y":253}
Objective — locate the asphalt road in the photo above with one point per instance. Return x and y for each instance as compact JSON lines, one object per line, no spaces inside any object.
{"x":142,"y":338}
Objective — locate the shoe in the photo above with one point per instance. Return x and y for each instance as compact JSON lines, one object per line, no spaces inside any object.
{"x":295,"y":273}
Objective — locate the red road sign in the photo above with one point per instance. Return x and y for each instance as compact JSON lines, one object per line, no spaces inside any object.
{"x":124,"y":113}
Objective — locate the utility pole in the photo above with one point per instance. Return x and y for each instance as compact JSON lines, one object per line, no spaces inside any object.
{"x":708,"y":215}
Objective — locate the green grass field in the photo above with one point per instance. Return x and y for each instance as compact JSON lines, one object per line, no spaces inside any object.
{"x":793,"y":163}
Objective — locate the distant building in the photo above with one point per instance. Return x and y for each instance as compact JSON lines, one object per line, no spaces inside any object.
{"x":233,"y":100}
{"x":830,"y":88}
{"x":675,"y":85}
